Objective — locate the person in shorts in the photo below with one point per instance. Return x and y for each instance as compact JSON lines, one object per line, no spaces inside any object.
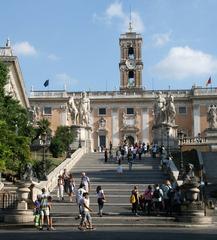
{"x":86,"y":219}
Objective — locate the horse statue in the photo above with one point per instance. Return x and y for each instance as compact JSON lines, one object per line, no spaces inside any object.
{"x":170,"y":109}
{"x":73,"y":110}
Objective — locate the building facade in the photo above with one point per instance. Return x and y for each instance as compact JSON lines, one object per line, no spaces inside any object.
{"x":15,"y":86}
{"x":121,"y":115}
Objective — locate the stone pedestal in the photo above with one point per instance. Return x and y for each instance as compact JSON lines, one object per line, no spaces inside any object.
{"x":211,"y":135}
{"x":165,"y":134}
{"x":21,"y":214}
{"x":83,"y":137}
{"x":193,"y":213}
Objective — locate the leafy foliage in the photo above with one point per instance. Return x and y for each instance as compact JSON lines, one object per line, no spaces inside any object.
{"x":14,"y":137}
{"x":64,"y":136}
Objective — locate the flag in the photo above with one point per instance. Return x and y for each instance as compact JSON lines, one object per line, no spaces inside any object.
{"x":208,"y":81}
{"x":46,"y":83}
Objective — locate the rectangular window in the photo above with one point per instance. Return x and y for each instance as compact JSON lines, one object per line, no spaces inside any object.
{"x":47,"y":110}
{"x":102,"y":111}
{"x":182,"y":110}
{"x":130,"y":110}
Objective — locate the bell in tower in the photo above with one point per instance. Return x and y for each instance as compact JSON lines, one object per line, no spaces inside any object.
{"x":130,"y":60}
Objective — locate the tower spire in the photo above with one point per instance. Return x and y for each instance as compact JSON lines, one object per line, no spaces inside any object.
{"x":130,"y":22}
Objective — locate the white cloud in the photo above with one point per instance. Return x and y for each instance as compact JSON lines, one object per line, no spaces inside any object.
{"x":183,"y":62}
{"x":161,"y":39}
{"x":53,"y":57}
{"x":115,"y":14}
{"x":24,"y":48}
{"x":114,"y":10}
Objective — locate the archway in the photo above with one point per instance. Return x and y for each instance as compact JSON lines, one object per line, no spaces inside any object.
{"x":130,"y":140}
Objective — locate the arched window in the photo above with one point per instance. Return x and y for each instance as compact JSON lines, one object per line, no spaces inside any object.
{"x":130,"y":53}
{"x":131,"y":80}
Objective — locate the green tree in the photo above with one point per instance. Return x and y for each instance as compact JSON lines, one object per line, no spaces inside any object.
{"x":14,"y":134}
{"x":64,"y":136}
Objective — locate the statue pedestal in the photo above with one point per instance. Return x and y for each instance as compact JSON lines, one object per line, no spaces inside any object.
{"x":83,"y":137}
{"x":165,"y":134}
{"x":211,"y":138}
{"x":21,"y":214}
{"x":193,"y":213}
{"x":211,"y":135}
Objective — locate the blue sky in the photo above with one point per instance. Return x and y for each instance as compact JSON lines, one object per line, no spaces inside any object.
{"x":76,"y":43}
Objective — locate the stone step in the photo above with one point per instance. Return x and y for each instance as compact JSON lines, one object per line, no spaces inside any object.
{"x":113,"y":220}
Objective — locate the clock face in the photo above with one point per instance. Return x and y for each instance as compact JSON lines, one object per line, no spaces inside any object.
{"x":130,"y":63}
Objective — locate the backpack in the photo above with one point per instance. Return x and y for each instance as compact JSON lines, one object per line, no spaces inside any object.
{"x":132,"y":198}
{"x":156,"y":193}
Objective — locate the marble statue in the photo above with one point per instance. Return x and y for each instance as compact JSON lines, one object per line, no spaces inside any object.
{"x":160,"y":109}
{"x":73,"y":110}
{"x":212,"y":116}
{"x":170,"y":109}
{"x":84,"y":109}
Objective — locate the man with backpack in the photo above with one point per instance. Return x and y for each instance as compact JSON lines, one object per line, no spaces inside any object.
{"x":134,"y":200}
{"x":167,"y":196}
{"x":157,"y":199}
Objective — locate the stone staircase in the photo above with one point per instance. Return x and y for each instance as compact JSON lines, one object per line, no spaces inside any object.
{"x":117,"y":188}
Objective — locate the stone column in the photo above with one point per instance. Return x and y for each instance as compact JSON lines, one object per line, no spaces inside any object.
{"x":115,"y":127}
{"x":145,"y":125}
{"x":63,"y":115}
{"x":196,"y":121}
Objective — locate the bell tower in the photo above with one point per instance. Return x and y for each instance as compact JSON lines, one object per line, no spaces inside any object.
{"x":130,"y":64}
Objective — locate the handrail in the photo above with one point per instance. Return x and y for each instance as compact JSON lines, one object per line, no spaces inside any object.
{"x":52,"y":178}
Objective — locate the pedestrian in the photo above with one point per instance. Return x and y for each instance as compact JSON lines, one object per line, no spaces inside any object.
{"x":86,"y":217}
{"x":85,"y":181}
{"x":148,"y":195}
{"x":118,"y":155}
{"x":134,"y":200}
{"x":119,"y":168}
{"x":106,"y":155}
{"x":71,"y":187}
{"x":44,"y":212}
{"x":65,"y":181}
{"x":50,"y":213}
{"x":110,"y":146}
{"x":167,"y":196}
{"x":157,"y":199}
{"x":100,"y":199}
{"x":130,"y":159}
{"x":60,"y":188}
{"x":79,"y":196}
{"x":37,"y":211}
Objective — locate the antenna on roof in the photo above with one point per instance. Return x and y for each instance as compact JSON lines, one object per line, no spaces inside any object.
{"x":130,"y":23}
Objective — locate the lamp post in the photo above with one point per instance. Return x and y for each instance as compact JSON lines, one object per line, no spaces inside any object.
{"x":168,"y":141}
{"x":180,"y":138}
{"x":79,"y":138}
{"x":44,"y":164}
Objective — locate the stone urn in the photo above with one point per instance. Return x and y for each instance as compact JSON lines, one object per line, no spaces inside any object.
{"x":23,"y":191}
{"x":191,"y":190}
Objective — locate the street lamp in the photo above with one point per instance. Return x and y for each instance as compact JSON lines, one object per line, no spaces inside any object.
{"x":44,"y":163}
{"x":180,"y":139}
{"x":168,"y":141}
{"x":79,"y":138}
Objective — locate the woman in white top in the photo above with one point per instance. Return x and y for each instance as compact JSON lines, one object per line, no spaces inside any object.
{"x":100,"y":199}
